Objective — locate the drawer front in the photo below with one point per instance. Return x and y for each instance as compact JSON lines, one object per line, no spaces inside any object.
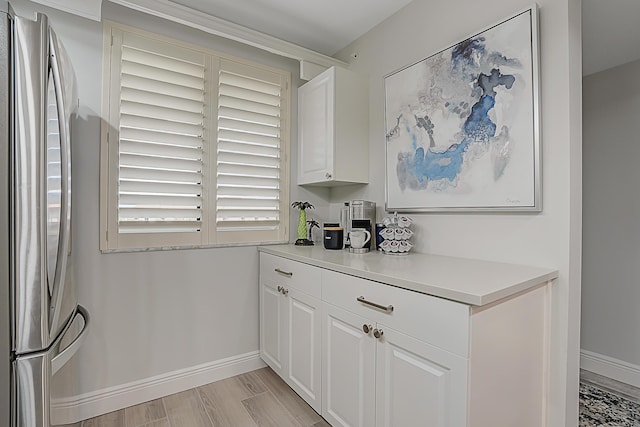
{"x":439,"y":322}
{"x":290,"y":274}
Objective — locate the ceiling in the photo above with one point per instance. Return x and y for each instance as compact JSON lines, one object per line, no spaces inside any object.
{"x":325,"y":26}
{"x":611,"y":34}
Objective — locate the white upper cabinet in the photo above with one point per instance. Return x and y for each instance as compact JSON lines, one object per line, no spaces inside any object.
{"x":333,"y":129}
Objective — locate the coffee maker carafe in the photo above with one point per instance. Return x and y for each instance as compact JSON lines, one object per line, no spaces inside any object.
{"x":362,"y":214}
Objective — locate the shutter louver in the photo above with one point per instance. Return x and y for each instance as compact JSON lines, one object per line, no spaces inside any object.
{"x":161,"y":137}
{"x":248,"y":193}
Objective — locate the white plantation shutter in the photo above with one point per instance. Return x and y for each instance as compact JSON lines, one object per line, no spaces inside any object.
{"x":200,"y":153}
{"x":249,"y":151}
{"x":161,"y":138}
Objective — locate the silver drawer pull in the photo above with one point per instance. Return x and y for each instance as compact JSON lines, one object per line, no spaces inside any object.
{"x":388,"y":308}
{"x":286,"y":273}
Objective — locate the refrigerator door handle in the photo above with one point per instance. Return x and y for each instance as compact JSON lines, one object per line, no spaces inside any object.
{"x":65,"y":181}
{"x":64,"y":355}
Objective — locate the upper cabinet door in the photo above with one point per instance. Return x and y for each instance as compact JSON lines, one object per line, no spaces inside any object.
{"x":333,"y":129}
{"x":316,"y":129}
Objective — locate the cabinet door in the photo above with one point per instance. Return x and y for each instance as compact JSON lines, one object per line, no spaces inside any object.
{"x":272,"y":327}
{"x":304,"y":354}
{"x":316,"y":129}
{"x":348,"y":367}
{"x":418,"y":384}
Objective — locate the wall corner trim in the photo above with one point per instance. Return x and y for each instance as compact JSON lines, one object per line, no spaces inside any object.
{"x":76,"y":408}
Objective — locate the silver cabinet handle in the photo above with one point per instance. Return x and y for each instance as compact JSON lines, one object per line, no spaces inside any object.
{"x":378,"y":333}
{"x":280,"y":288}
{"x":283,"y":290}
{"x":387,"y":308}
{"x":327,"y":175}
{"x":366,"y":328}
{"x":285,"y":273}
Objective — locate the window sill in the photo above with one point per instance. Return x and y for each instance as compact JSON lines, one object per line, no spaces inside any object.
{"x":190,"y":247}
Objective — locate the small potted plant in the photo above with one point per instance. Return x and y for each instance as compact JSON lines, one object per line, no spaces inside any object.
{"x":302,"y":223}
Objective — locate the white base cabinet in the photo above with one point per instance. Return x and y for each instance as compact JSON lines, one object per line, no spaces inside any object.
{"x":366,"y":354}
{"x":417,"y":381}
{"x":273,"y":348}
{"x":348,"y":366}
{"x":374,"y":375}
{"x":290,"y":335}
{"x":303,"y":339}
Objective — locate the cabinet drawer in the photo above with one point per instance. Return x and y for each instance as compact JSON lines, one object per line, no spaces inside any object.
{"x":439,"y":322}
{"x":285,"y":272}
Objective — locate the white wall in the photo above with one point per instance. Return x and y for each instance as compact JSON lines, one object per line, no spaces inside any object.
{"x":611,"y":245}
{"x":551,"y":238}
{"x":157,"y":312}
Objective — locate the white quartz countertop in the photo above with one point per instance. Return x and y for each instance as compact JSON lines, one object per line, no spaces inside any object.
{"x":464,"y":280}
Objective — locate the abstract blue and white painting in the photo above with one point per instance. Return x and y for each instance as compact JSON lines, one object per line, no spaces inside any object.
{"x":461,"y":125}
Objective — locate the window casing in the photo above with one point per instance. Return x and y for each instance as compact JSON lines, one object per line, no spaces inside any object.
{"x":194,"y":148}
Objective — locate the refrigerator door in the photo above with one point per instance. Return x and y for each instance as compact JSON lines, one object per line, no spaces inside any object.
{"x":44,"y":297}
{"x":62,"y":290}
{"x":32,"y":375}
{"x":5,"y":229}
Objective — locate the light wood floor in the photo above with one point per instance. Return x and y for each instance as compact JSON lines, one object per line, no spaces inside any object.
{"x":255,"y":399}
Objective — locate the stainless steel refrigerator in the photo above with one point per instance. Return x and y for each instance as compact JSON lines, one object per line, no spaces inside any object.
{"x":41,"y":323}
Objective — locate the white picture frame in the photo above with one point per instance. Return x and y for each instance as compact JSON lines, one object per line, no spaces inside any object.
{"x":462,"y":126}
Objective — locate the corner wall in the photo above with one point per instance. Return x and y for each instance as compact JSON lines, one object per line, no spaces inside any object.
{"x":611,"y":245}
{"x":551,"y":238}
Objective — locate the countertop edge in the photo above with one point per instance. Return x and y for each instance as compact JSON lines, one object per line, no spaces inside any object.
{"x":424,"y":288}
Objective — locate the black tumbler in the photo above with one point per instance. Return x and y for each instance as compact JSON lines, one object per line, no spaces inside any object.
{"x":333,"y":237}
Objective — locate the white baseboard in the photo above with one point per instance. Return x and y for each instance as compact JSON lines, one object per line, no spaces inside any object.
{"x":609,"y":367}
{"x":89,"y":405}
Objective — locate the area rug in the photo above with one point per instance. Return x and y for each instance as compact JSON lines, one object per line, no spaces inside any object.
{"x":601,"y":408}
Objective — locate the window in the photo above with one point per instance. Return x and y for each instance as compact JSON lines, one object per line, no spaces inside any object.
{"x":194,"y":148}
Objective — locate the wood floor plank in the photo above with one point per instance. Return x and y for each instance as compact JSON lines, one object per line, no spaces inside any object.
{"x":159,"y":423}
{"x":252,"y":382}
{"x":267,"y":411}
{"x":223,"y":400}
{"x":255,"y":399}
{"x":144,"y":413}
{"x":302,"y":412}
{"x":186,"y":410}
{"x":112,"y":419}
